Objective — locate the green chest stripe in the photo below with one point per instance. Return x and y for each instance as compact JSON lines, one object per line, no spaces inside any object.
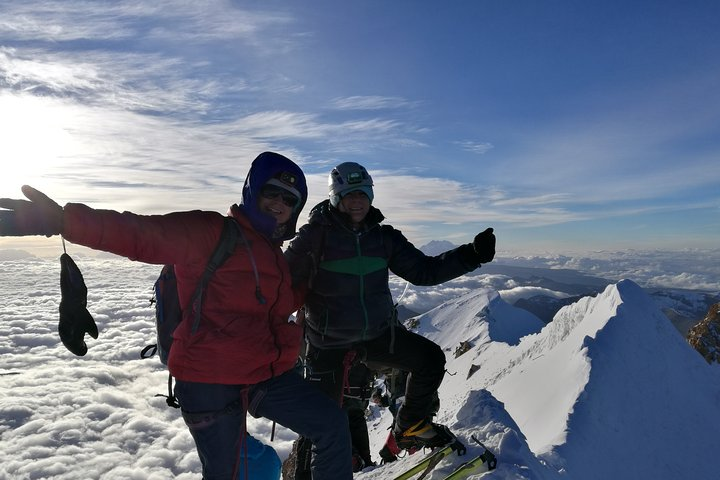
{"x":355,"y":265}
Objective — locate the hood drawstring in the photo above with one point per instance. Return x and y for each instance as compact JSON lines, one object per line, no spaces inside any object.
{"x":258,"y":294}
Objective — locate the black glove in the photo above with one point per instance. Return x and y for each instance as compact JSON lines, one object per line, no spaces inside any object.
{"x":75,"y":320}
{"x":39,"y":215}
{"x":484,"y":245}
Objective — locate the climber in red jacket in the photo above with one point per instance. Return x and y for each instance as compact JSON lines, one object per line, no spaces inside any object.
{"x":241,"y":356}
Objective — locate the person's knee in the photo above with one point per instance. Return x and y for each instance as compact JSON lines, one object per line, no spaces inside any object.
{"x":338,"y":417}
{"x":434,"y":360}
{"x":333,"y":430}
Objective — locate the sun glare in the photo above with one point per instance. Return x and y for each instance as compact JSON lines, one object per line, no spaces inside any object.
{"x":34,"y":140}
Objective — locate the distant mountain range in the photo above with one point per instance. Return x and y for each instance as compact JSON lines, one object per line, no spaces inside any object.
{"x":685,"y":308}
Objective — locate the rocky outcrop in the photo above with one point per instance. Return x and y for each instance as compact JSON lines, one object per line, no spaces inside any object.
{"x":705,"y":336}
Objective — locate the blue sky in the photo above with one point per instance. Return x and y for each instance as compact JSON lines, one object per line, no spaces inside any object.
{"x":565,"y":125}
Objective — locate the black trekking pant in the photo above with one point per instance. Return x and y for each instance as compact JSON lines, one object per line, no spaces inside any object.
{"x":411,"y":352}
{"x":423,"y":359}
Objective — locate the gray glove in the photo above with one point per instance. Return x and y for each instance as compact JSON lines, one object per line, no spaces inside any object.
{"x":38,"y":215}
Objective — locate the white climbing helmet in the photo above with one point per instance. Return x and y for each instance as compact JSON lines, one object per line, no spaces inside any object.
{"x":349,"y":177}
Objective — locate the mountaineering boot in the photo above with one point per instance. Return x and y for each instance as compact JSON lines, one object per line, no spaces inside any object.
{"x":423,"y":434}
{"x":389,"y":451}
{"x":357,"y":463}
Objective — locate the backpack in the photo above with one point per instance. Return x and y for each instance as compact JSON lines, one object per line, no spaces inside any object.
{"x":169,"y":313}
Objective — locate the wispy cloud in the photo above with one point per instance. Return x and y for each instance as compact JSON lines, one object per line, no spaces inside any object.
{"x":208,"y":21}
{"x":413,"y":203}
{"x":475,"y":147}
{"x":139,"y":82}
{"x":371,"y":102}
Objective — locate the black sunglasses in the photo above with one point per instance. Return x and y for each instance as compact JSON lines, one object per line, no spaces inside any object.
{"x":271,"y":192}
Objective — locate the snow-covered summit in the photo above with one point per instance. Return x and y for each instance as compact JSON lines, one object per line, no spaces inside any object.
{"x":609,"y":389}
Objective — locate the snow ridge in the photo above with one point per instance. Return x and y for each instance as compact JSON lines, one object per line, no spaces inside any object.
{"x":608,"y":389}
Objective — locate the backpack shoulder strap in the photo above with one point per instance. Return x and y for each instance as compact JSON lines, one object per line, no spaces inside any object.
{"x":225,"y":247}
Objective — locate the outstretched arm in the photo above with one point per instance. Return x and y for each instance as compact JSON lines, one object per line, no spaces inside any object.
{"x":410,"y":263}
{"x":38,"y":215}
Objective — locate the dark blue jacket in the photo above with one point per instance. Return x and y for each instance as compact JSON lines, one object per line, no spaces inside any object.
{"x":348,"y":299}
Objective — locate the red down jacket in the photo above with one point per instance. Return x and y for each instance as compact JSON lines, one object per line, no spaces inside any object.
{"x":240,"y":340}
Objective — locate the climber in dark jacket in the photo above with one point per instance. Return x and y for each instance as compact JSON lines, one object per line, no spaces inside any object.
{"x":343,"y":256}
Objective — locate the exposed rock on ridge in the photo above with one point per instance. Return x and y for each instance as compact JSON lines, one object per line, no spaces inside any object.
{"x":705,"y":336}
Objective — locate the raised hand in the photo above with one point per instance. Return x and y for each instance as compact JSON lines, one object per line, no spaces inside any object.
{"x":38,"y":215}
{"x":484,"y":245}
